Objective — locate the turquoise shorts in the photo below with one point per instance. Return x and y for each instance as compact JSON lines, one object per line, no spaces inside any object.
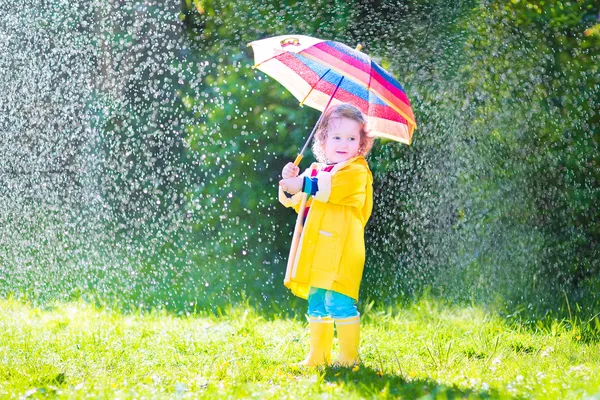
{"x":327,"y":303}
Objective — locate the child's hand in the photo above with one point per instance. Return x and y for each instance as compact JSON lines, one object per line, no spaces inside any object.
{"x":290,"y":171}
{"x":292,"y":185}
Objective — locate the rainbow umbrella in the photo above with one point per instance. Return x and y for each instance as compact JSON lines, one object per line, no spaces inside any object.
{"x":323,"y":72}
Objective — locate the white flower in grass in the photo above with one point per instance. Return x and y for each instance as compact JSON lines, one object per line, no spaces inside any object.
{"x":547,"y":352}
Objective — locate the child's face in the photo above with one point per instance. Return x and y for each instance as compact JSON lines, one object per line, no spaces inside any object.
{"x":343,"y":139}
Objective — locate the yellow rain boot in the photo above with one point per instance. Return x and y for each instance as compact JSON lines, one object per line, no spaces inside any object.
{"x":348,"y":332}
{"x":321,"y":339}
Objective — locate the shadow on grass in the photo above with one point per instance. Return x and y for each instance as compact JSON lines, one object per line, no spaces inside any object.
{"x":368,"y":382}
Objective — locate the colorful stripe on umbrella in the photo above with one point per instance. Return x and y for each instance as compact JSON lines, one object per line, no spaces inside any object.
{"x":313,"y":84}
{"x":362,"y":69}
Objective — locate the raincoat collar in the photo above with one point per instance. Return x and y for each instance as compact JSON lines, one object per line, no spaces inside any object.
{"x":342,"y":164}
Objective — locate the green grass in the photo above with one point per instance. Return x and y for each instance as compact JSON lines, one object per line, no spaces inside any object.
{"x":427,"y":350}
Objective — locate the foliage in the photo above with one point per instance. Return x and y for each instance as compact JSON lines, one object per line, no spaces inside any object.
{"x":165,"y":149}
{"x":531,"y":72}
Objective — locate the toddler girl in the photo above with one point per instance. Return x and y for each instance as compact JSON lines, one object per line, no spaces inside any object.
{"x":329,"y":262}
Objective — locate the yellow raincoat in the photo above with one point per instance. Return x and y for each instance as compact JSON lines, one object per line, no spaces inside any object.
{"x":331,"y":252}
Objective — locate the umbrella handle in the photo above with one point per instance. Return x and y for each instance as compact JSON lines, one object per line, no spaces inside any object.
{"x":298,"y":159}
{"x":290,"y":272}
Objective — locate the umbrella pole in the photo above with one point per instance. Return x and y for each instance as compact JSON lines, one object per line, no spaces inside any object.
{"x":299,"y":157}
{"x":295,"y":240}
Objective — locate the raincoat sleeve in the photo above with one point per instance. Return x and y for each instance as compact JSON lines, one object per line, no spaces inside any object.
{"x":347,"y":187}
{"x":295,"y":200}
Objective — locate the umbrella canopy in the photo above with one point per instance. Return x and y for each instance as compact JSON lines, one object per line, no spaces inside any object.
{"x":322,"y":72}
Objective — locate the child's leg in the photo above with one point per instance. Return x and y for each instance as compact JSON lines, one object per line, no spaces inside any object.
{"x":321,"y":329}
{"x":347,"y":322}
{"x":316,"y":303}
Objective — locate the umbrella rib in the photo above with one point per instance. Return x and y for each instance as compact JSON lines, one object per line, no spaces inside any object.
{"x":321,"y":116}
{"x":268,"y":59}
{"x":312,"y":87}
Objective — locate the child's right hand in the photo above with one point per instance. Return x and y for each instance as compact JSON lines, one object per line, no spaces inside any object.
{"x":290,"y":171}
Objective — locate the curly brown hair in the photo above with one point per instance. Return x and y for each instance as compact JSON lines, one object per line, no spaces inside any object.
{"x":343,"y":110}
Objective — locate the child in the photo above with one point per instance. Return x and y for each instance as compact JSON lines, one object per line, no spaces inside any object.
{"x":330,"y":258}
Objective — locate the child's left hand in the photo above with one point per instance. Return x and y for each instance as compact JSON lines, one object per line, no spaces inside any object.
{"x":292,"y":185}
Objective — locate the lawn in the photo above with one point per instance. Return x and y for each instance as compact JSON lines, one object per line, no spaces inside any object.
{"x":426,"y":350}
